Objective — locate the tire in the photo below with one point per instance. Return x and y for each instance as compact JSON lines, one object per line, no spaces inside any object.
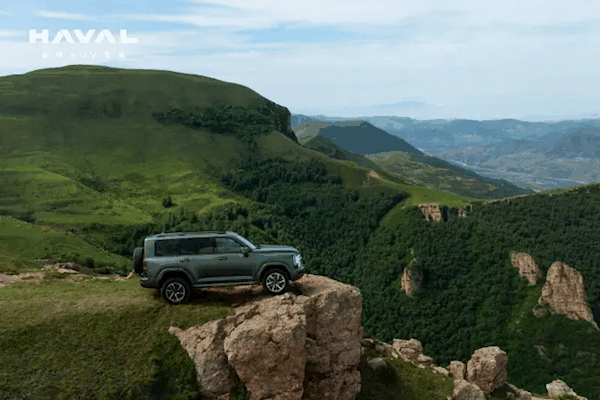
{"x":275,"y":281}
{"x":138,"y":257}
{"x":176,"y":291}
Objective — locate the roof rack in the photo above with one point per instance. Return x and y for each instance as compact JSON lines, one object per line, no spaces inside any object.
{"x":186,"y":233}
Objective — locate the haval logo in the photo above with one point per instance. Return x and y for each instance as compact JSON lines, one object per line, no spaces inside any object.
{"x":65,"y":34}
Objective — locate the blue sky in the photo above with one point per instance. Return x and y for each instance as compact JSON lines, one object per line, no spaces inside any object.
{"x":425,"y":59}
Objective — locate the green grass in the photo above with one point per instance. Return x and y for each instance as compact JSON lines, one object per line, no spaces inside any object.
{"x":95,"y":339}
{"x":403,"y":380}
{"x":22,"y":243}
{"x":420,"y":173}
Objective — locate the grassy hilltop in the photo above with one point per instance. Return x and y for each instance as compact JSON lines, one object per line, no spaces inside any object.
{"x":93,"y":159}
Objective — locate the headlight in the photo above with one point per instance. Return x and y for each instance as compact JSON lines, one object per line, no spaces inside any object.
{"x":298,"y":260}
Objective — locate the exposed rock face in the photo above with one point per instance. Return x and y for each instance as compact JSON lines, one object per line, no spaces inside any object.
{"x":464,"y":390}
{"x":558,"y":388}
{"x":412,"y":281}
{"x":409,"y":349}
{"x":527,"y":267}
{"x":432,"y":211}
{"x":304,"y":346}
{"x":564,"y":292}
{"x":458,"y":369}
{"x":487,"y":368}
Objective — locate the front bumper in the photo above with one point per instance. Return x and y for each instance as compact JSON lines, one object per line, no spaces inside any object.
{"x":297,"y":273}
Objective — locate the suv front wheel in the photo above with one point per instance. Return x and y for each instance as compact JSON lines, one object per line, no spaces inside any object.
{"x":275,"y":281}
{"x":176,"y":291}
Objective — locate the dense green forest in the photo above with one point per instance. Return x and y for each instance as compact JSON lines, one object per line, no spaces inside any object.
{"x":245,"y":123}
{"x":472,"y":296}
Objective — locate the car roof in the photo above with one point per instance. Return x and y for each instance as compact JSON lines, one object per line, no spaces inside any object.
{"x":173,"y":235}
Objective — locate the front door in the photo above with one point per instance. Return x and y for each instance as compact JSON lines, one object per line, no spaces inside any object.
{"x":233,"y":263}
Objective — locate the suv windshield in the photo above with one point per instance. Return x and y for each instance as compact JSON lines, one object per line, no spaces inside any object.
{"x":245,"y":241}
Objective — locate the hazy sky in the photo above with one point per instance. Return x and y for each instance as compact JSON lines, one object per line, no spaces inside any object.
{"x":526,"y":59}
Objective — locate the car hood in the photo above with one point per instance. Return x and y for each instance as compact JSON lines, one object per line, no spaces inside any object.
{"x":276,"y":249}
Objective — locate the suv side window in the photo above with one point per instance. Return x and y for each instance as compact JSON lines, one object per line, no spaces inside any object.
{"x":227,"y":245}
{"x":167,"y":247}
{"x":194,"y":246}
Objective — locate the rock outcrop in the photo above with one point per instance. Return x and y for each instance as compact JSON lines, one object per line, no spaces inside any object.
{"x":462,"y":211}
{"x":527,"y":267}
{"x":487,"y":368}
{"x":564,"y":293}
{"x":458,"y":369}
{"x":484,"y":372}
{"x":293,"y":346}
{"x":464,"y":390}
{"x":433,"y":211}
{"x":412,"y":280}
{"x":558,"y":388}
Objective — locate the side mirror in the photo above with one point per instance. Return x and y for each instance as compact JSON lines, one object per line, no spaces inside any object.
{"x":245,"y":251}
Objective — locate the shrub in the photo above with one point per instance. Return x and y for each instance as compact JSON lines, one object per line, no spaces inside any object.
{"x":167,"y":202}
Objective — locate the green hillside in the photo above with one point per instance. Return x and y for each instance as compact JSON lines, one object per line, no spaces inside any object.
{"x":352,"y":139}
{"x":356,"y":136}
{"x":430,"y":172}
{"x":326,"y":146}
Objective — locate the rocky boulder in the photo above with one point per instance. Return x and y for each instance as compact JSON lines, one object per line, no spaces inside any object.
{"x":558,"y":388}
{"x":294,"y":346}
{"x":487,"y":368}
{"x":464,"y":390}
{"x":527,"y":267}
{"x":564,"y":293}
{"x":458,"y":369}
{"x":433,"y":211}
{"x":408,"y":349}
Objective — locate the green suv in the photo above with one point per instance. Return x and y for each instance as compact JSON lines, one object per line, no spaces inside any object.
{"x":179,"y":262}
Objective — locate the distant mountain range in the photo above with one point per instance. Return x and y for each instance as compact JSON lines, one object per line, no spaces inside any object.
{"x":536,"y":155}
{"x":369,"y":146}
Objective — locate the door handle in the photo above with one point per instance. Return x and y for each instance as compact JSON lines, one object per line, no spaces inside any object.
{"x":184,"y":259}
{"x":222,"y":258}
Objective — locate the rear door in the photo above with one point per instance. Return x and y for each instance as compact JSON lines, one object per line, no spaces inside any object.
{"x":198,"y":256}
{"x":166,"y":253}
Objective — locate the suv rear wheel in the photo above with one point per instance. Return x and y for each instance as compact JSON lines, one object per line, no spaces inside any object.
{"x":176,"y":291}
{"x":275,"y":281}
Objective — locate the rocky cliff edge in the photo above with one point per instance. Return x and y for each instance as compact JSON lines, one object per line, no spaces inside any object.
{"x":304,"y":344}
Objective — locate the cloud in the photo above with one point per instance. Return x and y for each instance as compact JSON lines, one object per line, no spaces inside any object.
{"x":62,"y":15}
{"x":359,"y":13}
{"x":5,"y":33}
{"x":403,"y":104}
{"x":5,"y":13}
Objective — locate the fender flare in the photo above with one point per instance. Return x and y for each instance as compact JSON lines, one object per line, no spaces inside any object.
{"x":266,"y":265}
{"x":174,"y":269}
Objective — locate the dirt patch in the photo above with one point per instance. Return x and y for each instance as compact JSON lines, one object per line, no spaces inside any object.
{"x":370,"y":176}
{"x":36,"y":277}
{"x":32,"y":277}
